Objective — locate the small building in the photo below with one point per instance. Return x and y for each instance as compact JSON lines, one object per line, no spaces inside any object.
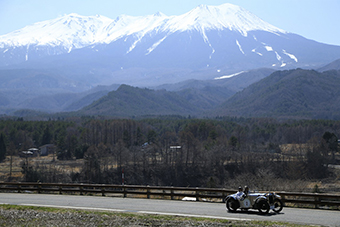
{"x":32,"y":152}
{"x":25,"y":154}
{"x":47,"y":149}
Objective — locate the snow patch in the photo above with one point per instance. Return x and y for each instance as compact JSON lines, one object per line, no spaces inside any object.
{"x":155,"y":45}
{"x":290,"y":55}
{"x":278,"y":57}
{"x":239,"y":46}
{"x":26,"y":57}
{"x":212,"y":52}
{"x":268,"y":48}
{"x":206,"y":40}
{"x":283,"y":64}
{"x":134,"y":44}
{"x":254,"y":51}
{"x":229,"y":76}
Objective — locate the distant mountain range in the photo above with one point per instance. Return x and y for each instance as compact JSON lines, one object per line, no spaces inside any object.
{"x":206,"y":42}
{"x":204,"y":56}
{"x":289,"y":94}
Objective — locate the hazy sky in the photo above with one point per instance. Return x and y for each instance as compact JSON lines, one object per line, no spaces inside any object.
{"x":313,"y":19}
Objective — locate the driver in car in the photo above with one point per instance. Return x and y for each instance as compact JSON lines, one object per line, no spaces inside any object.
{"x":246,"y":190}
{"x":240,"y":193}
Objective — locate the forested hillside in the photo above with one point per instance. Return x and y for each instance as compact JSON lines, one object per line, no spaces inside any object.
{"x":210,"y":153}
{"x":130,"y":101}
{"x":298,"y":93}
{"x":288,"y":94}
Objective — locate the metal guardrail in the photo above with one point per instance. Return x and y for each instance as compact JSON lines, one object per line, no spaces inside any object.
{"x":314,"y":199}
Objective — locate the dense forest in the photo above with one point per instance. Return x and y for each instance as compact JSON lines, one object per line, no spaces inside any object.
{"x":178,"y":151}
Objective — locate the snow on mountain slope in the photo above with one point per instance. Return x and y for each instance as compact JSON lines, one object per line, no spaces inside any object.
{"x":75,"y":31}
{"x":226,"y":16}
{"x":127,"y":25}
{"x":70,"y":31}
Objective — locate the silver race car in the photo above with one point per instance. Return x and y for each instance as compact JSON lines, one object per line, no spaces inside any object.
{"x":260,"y":201}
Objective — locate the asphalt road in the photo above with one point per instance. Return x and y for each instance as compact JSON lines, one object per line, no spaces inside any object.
{"x":170,"y":207}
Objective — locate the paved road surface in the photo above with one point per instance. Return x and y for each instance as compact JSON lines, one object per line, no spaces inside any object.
{"x":172,"y":207}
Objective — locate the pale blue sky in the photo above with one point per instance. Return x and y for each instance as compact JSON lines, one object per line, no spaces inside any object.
{"x":314,"y":19}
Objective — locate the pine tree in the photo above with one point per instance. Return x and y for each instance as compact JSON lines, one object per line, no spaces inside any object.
{"x":47,"y":136}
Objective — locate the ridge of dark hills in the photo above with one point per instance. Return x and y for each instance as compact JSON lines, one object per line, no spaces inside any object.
{"x":335,"y":65}
{"x":133,"y":101}
{"x":298,"y":94}
{"x":192,"y":97}
{"x":294,"y":93}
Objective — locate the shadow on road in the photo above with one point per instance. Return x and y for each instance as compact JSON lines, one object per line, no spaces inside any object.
{"x":253,"y":212}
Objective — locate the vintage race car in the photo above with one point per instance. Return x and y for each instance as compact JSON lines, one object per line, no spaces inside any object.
{"x":260,"y":201}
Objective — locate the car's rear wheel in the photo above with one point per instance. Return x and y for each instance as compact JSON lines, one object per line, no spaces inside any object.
{"x":263,"y":207}
{"x":232,"y":204}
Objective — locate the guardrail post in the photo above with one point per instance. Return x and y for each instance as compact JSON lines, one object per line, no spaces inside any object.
{"x":172,"y":193}
{"x":103,"y":191}
{"x":81,"y":188}
{"x":39,"y":188}
{"x":283,"y":198}
{"x":148,"y":192}
{"x":317,"y":201}
{"x":124,"y":191}
{"x":60,"y":190}
{"x":197,"y":194}
{"x":19,"y":188}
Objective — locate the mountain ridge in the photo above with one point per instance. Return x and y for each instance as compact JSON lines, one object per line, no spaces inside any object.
{"x":287,"y":94}
{"x":296,"y":93}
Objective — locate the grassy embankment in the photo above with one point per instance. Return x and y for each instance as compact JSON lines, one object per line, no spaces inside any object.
{"x":11,"y":215}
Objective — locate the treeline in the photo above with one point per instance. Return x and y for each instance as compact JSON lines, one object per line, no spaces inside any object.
{"x":178,"y":151}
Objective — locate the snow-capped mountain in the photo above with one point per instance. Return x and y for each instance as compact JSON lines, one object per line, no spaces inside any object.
{"x":226,"y":16}
{"x":68,"y":31}
{"x":206,"y":42}
{"x":75,"y":31}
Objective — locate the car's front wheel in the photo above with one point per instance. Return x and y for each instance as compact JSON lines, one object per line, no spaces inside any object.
{"x":278,"y":205}
{"x":263,"y":207}
{"x":232,"y":204}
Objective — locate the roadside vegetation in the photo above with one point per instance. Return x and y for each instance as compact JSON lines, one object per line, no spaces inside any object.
{"x":11,"y":215}
{"x":265,"y":154}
